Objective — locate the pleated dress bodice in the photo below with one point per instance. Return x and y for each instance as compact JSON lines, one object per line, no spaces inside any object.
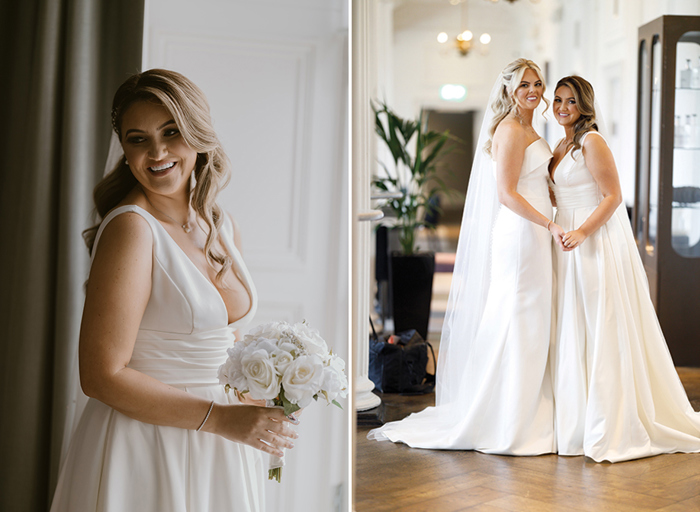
{"x":184,"y":332}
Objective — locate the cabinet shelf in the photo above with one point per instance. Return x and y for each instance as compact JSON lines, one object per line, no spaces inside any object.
{"x":666,"y":216}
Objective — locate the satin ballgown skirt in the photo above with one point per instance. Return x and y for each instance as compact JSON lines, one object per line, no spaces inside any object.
{"x":617,"y":393}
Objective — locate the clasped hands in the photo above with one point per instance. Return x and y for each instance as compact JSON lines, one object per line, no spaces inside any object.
{"x":567,"y":241}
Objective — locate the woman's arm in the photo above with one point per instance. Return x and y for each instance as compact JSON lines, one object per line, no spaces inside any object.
{"x":512,"y":142}
{"x":601,"y":164}
{"x":117,"y":294}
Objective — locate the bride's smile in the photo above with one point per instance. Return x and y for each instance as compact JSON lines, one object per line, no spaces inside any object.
{"x":158,"y":155}
{"x":529,"y":92}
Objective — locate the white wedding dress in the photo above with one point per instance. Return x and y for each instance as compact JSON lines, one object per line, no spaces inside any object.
{"x":617,"y":393}
{"x":118,"y":464}
{"x":505,"y":400}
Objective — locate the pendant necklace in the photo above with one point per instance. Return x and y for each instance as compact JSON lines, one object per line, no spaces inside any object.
{"x":185,"y":227}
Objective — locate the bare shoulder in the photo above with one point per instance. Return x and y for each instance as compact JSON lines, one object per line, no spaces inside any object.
{"x":510,"y":136}
{"x":510,"y":128}
{"x":594,"y":143}
{"x":126,"y":237}
{"x":510,"y":132}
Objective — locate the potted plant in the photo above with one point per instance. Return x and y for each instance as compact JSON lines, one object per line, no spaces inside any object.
{"x":416,"y":152}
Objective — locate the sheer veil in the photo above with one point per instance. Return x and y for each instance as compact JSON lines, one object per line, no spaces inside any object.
{"x":115,"y":153}
{"x":472,"y":272}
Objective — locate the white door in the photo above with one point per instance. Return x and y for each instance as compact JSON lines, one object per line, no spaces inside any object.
{"x":275,"y":75}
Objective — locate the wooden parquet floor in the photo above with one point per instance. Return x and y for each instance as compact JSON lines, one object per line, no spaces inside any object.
{"x":393,"y":477}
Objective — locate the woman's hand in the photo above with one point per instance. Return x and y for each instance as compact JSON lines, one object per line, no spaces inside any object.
{"x":574,"y":238}
{"x":264,"y":428}
{"x":558,"y":234}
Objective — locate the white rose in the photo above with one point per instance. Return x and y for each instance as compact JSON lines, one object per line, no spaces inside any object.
{"x":226,"y":372}
{"x":258,"y":369}
{"x":282,"y":357}
{"x":335,"y":383}
{"x":266,"y":344}
{"x":230,"y":372}
{"x":271,"y":330}
{"x":311,"y":339}
{"x":303,"y":379}
{"x":289,"y":347}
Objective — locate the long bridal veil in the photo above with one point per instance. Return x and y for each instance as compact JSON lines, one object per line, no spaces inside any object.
{"x":472,"y":271}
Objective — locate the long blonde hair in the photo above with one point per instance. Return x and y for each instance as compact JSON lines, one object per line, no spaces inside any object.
{"x":585,"y":103}
{"x":505,"y":103}
{"x":190,"y":110}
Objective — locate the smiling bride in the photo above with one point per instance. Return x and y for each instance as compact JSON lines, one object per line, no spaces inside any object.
{"x":494,"y":390}
{"x":167,"y":291}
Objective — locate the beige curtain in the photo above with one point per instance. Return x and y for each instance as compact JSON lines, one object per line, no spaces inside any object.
{"x":61,"y":61}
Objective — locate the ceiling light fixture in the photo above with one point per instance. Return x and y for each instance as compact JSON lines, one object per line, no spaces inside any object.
{"x":464,"y":41}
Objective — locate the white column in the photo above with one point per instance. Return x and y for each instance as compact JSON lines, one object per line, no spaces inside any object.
{"x":363,"y":85}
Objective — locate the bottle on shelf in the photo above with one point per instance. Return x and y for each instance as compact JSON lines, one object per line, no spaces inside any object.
{"x":695,"y":76}
{"x":678,"y":141}
{"x":688,"y":132}
{"x":686,"y":75}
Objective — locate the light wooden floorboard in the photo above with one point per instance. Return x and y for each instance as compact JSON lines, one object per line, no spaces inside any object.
{"x":393,"y":477}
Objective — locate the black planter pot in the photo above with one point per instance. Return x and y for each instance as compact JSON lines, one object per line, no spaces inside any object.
{"x":412,"y":290}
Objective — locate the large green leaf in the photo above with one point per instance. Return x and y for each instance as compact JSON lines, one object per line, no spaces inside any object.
{"x":416,"y":152}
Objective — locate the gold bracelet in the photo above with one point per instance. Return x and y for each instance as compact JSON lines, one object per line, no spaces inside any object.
{"x":548,"y":225}
{"x":211,"y":406}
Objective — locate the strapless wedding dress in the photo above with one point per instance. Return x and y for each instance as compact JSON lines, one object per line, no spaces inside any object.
{"x":508,"y":405}
{"x":118,"y":464}
{"x":617,"y":393}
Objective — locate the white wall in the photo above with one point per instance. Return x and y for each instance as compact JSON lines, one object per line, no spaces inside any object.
{"x":275,"y":75}
{"x":594,"y":38}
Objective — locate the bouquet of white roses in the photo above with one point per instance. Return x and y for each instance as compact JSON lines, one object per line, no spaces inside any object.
{"x":286,"y":365}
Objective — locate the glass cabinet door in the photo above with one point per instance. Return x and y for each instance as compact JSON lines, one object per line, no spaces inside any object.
{"x":685,"y":215}
{"x":655,"y":145}
{"x":642,"y":191}
{"x":667,"y":199}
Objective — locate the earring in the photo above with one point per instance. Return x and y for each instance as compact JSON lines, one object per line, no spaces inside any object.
{"x":126,"y":161}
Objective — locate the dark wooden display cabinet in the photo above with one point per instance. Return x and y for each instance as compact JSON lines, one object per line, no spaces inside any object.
{"x":666,"y":217}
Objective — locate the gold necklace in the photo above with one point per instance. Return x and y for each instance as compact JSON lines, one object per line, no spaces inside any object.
{"x":185,"y":227}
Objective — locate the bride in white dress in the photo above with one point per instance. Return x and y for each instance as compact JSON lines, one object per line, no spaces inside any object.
{"x":617,"y":394}
{"x":494,"y":390}
{"x":166,"y":292}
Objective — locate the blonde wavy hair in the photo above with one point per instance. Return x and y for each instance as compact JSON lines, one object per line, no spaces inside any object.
{"x":190,"y":110}
{"x":585,"y":103}
{"x":505,"y":102}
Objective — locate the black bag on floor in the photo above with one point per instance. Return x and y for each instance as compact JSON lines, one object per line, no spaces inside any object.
{"x":401,"y":367}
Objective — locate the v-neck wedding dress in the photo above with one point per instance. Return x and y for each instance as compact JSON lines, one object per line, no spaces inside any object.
{"x":116,"y":463}
{"x":617,"y":394}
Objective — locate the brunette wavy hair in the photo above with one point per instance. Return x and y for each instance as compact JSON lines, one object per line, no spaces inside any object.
{"x":585,"y":103}
{"x":190,"y":110}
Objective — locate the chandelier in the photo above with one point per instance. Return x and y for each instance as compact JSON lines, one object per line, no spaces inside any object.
{"x":464,"y":41}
